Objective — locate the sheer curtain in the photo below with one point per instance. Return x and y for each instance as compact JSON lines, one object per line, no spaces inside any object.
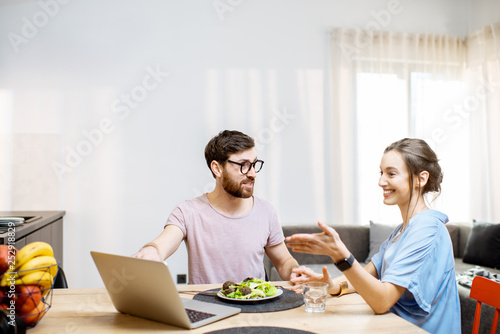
{"x":386,"y":86}
{"x":483,"y":99}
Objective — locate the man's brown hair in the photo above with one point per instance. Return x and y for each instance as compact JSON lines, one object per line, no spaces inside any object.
{"x":227,"y":142}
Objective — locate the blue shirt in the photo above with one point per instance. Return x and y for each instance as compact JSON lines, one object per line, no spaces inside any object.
{"x":421,"y":260}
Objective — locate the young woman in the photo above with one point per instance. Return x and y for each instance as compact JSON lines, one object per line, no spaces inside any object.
{"x":413,"y":274}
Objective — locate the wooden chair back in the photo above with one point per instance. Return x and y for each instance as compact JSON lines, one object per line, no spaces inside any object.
{"x":485,"y":291}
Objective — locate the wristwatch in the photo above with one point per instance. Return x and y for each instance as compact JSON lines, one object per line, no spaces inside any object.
{"x":345,"y":263}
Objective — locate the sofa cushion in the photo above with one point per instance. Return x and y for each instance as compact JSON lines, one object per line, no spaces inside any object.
{"x":378,"y":234}
{"x":483,"y":245}
{"x":463,"y":236}
{"x":356,"y":238}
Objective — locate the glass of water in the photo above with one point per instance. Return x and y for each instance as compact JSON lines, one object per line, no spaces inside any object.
{"x":315,"y":296}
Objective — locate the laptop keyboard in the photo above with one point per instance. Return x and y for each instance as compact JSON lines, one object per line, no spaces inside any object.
{"x":195,"y":316}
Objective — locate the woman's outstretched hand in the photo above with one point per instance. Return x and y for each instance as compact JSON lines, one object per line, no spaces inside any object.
{"x":326,"y":243}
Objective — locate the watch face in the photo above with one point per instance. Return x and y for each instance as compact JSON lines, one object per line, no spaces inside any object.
{"x":345,"y":263}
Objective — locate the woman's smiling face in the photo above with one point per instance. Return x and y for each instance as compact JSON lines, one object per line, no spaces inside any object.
{"x":394,"y":179}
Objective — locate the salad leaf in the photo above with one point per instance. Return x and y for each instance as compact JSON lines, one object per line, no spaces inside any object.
{"x":259,"y":289}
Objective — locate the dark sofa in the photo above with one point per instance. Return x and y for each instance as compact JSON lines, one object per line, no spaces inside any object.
{"x":362,"y":240}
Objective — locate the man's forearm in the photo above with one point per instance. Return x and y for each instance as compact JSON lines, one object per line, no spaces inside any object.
{"x":286,"y":268}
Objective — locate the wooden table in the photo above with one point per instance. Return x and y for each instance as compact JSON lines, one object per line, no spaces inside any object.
{"x":91,"y":311}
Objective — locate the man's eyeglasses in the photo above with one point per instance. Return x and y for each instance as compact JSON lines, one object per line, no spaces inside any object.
{"x":247,"y":165}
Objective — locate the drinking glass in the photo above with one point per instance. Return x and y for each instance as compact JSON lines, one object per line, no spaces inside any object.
{"x":315,"y":296}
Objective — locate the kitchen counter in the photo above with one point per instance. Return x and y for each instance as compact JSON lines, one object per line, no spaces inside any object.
{"x":38,"y":226}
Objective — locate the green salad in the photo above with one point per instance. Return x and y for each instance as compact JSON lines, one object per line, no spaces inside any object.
{"x":250,"y":288}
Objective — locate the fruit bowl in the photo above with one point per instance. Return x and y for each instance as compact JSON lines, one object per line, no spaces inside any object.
{"x":28,"y":293}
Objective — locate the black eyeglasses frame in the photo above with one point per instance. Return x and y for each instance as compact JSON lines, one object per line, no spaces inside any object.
{"x":252,"y":164}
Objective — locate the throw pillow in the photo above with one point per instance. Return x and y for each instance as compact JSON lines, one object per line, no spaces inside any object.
{"x":378,"y":234}
{"x":483,"y":245}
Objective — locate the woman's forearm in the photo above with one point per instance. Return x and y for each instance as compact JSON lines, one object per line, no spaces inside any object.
{"x":380,"y":296}
{"x":335,"y":289}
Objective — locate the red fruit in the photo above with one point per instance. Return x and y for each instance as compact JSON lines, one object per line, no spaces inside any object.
{"x":36,"y":314}
{"x":27,"y":298}
{"x":6,"y":295}
{"x":5,"y":301}
{"x":7,"y":257}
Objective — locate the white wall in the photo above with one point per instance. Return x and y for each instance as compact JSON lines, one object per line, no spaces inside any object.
{"x":260,"y":67}
{"x":481,"y":13}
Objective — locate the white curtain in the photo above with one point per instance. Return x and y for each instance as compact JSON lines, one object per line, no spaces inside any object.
{"x":483,"y":100}
{"x":386,"y":86}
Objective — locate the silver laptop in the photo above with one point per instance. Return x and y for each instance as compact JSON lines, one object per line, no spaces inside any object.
{"x":145,"y":289}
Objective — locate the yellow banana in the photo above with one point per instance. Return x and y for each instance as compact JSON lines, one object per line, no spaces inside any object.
{"x":41,"y":278}
{"x":41,"y":263}
{"x":8,"y":278}
{"x":31,"y":250}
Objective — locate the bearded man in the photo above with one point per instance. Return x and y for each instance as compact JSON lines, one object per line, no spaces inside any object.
{"x":227,"y":231}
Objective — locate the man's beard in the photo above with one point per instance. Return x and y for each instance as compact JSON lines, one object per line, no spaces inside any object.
{"x":234,"y":188}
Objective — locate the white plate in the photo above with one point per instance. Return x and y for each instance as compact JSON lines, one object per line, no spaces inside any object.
{"x":278,"y":293}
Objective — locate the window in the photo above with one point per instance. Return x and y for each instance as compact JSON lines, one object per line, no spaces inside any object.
{"x":390,"y":107}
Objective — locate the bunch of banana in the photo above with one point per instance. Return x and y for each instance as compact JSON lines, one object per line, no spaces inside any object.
{"x":34,"y":264}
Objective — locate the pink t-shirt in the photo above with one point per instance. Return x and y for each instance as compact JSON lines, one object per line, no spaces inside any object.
{"x":222,"y":248}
